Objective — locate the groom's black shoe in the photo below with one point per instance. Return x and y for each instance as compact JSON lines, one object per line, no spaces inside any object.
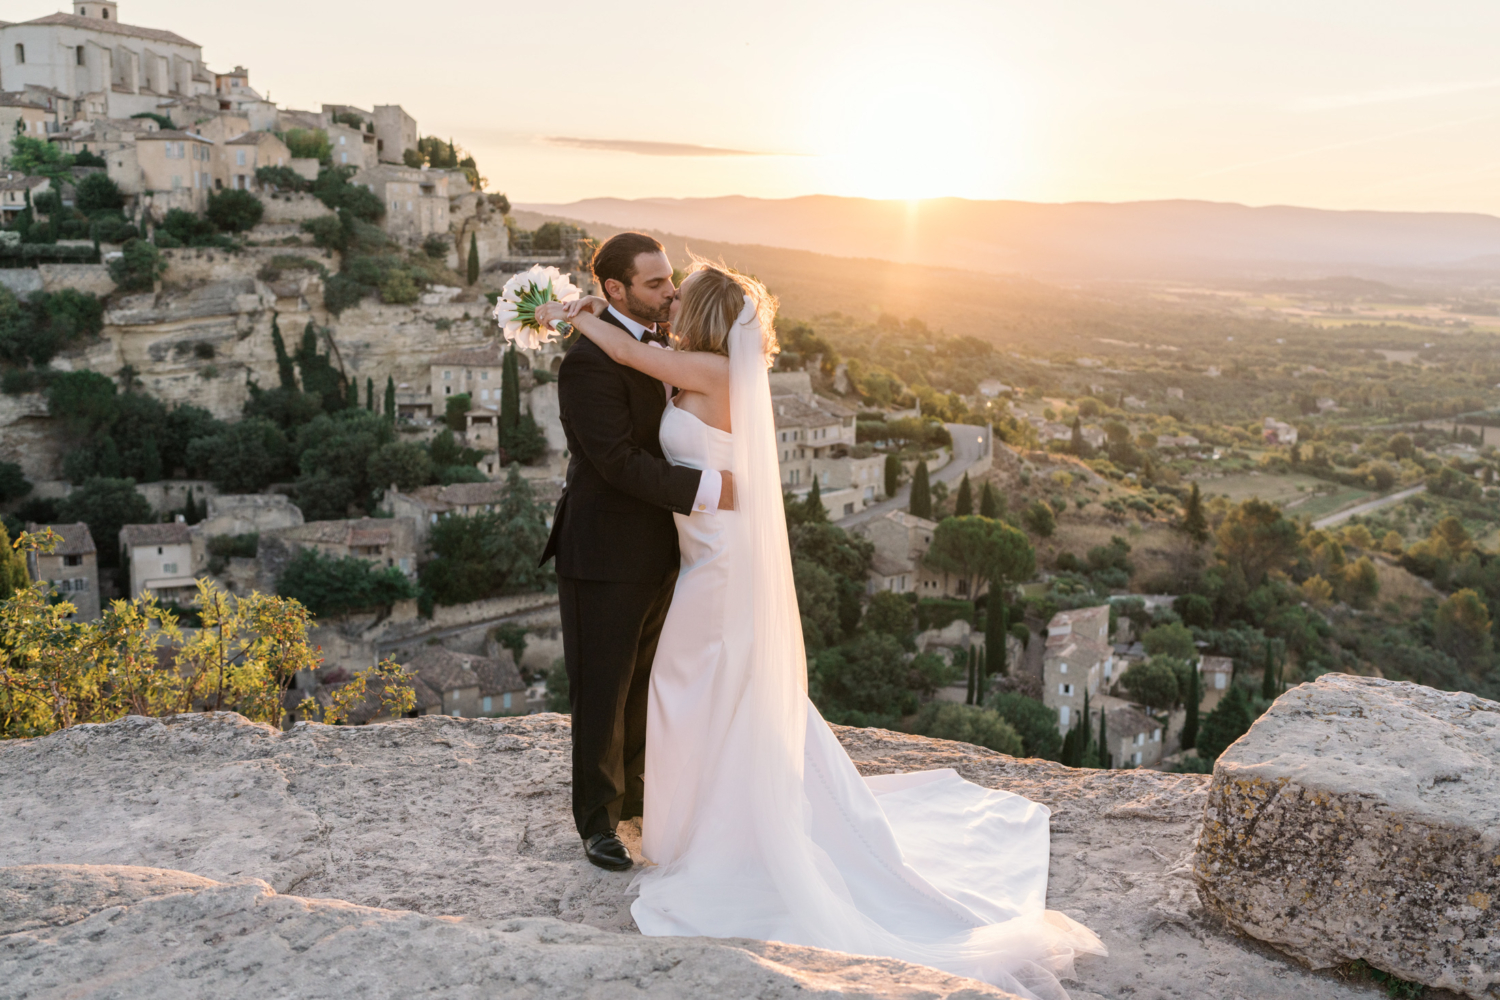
{"x":606,"y":851}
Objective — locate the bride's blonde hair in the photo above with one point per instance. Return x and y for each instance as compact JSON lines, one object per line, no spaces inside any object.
{"x":712,"y":296}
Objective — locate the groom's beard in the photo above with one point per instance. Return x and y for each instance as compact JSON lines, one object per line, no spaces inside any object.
{"x":643,"y":313}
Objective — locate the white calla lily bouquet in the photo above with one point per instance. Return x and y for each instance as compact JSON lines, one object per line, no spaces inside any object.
{"x":516,"y":309}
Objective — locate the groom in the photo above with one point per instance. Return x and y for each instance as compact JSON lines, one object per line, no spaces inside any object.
{"x":616,"y":543}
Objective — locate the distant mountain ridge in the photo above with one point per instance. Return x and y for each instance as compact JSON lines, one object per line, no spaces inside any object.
{"x":1080,"y":239}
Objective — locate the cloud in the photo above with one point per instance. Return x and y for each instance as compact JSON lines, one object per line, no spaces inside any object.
{"x":649,"y":148}
{"x":1334,"y":102}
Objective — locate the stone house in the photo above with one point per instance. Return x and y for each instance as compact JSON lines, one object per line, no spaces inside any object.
{"x":416,"y":200}
{"x":380,"y":541}
{"x":72,"y":568}
{"x":105,"y":68}
{"x":350,"y":147}
{"x":465,"y":685}
{"x":14,"y":189}
{"x":424,"y":505}
{"x":901,"y":542}
{"x":221,"y":127}
{"x":1278,"y":432}
{"x":1135,"y":738}
{"x":395,"y":133}
{"x":234,"y":93}
{"x":815,"y":438}
{"x":247,"y":153}
{"x":1216,"y":674}
{"x":177,"y":167}
{"x":23,"y":115}
{"x":476,"y":372}
{"x":241,"y":514}
{"x":1077,"y":659}
{"x":160,"y":559}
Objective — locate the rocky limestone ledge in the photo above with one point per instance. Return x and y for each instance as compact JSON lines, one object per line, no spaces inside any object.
{"x":109,"y":931}
{"x":409,"y":848}
{"x":1358,"y":820}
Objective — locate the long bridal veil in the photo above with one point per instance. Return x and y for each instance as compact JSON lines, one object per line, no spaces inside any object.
{"x":781,"y":840}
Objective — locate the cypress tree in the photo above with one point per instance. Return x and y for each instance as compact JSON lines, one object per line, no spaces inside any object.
{"x":369,"y":394}
{"x":963,"y":504}
{"x":996,"y":627}
{"x":1079,"y":444}
{"x":1104,"y":759}
{"x":510,"y":396}
{"x":351,"y":394}
{"x":1194,"y":522}
{"x":921,"y":493}
{"x":892,"y":475}
{"x":283,"y":360}
{"x":989,"y":505}
{"x":813,"y":509}
{"x":1089,"y":753}
{"x":973,"y":665}
{"x":1268,"y":676}
{"x":1194,"y":696}
{"x":390,"y":398}
{"x":981,"y":670}
{"x":190,"y":509}
{"x":13,"y":576}
{"x":473,"y":266}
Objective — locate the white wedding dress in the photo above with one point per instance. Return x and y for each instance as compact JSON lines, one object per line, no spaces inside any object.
{"x":756,"y":822}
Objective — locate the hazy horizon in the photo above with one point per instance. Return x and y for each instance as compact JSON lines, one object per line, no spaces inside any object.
{"x":1377,"y":106}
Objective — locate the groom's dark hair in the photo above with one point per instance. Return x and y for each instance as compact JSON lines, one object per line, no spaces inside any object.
{"x":615,"y":258}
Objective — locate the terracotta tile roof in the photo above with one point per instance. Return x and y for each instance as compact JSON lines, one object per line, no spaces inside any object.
{"x":362,"y":531}
{"x":1079,"y":616}
{"x":174,"y":134}
{"x":442,"y":670}
{"x":250,"y":139}
{"x":885,"y":565}
{"x":1217,"y":665}
{"x":793,"y":411}
{"x":472,"y":494}
{"x":113,"y":28}
{"x":172,"y":533}
{"x":21,"y":183}
{"x":497,"y":676}
{"x":1129,"y":721}
{"x":19,"y":100}
{"x":76,"y":540}
{"x":480,"y":357}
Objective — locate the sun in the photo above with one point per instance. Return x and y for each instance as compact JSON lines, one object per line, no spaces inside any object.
{"x":913,"y":140}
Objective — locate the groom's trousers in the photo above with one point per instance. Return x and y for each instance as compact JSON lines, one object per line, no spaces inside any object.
{"x":610,"y":631}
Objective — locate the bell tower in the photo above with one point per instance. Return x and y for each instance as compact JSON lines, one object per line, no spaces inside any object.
{"x":104,"y":10}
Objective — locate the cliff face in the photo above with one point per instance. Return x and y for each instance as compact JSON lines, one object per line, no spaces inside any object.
{"x":363,"y":838}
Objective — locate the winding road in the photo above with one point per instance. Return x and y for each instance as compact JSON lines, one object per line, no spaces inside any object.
{"x":970,"y":443}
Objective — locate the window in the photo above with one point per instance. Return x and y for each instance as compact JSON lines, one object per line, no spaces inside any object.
{"x":159,"y":550}
{"x":21,"y":54}
{"x":343,"y":157}
{"x":1135,"y":758}
{"x":1156,"y":736}
{"x":1063,"y":715}
{"x":239,"y":157}
{"x":169,"y":568}
{"x":1219,"y":680}
{"x":489,"y":705}
{"x":848,"y":509}
{"x":72,"y":560}
{"x":80,"y":584}
{"x":447,"y":376}
{"x":104,"y":13}
{"x":505,"y":700}
{"x":1066,"y":690}
{"x":484,"y":376}
{"x":1062,"y":668}
{"x":78,"y":55}
{"x":341,"y":140}
{"x":176,"y":181}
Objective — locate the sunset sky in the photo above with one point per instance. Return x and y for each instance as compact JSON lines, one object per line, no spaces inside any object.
{"x":1326,"y":103}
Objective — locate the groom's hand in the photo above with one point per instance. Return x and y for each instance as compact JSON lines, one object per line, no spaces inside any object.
{"x":726,"y":491}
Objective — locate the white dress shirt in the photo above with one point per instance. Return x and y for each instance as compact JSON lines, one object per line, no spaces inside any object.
{"x":711,"y":484}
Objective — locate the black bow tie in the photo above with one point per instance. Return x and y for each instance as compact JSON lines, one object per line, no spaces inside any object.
{"x":654,"y":337}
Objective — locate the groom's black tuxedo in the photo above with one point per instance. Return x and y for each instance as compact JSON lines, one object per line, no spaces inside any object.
{"x":616,"y":549}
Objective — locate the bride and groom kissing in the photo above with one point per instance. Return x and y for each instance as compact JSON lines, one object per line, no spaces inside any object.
{"x":688,"y":679}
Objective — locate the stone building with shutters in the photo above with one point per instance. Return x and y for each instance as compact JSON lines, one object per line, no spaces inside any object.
{"x":160,"y":560}
{"x":71,"y":569}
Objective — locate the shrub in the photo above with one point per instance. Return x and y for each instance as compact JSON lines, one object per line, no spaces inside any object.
{"x":399,"y":289}
{"x":182,"y":228}
{"x":97,"y":193}
{"x":1034,"y":722}
{"x":282,"y":179}
{"x":234,"y":211}
{"x":334,"y":190}
{"x":308,"y":144}
{"x":983,"y":727}
{"x":137,"y":267}
{"x":327,"y":585}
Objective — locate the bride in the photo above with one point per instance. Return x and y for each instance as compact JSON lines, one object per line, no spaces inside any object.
{"x":756,"y":822}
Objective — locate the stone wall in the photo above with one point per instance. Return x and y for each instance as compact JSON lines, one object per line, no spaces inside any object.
{"x":21,"y":281}
{"x":91,"y":278}
{"x":293,"y":207}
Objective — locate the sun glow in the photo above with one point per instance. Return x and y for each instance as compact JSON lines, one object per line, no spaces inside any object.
{"x":914,"y":139}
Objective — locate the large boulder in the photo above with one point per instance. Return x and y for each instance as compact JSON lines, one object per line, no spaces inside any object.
{"x":1360,"y":819}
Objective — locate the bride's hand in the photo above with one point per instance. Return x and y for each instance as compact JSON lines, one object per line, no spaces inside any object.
{"x":548,"y":314}
{"x":591,"y":303}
